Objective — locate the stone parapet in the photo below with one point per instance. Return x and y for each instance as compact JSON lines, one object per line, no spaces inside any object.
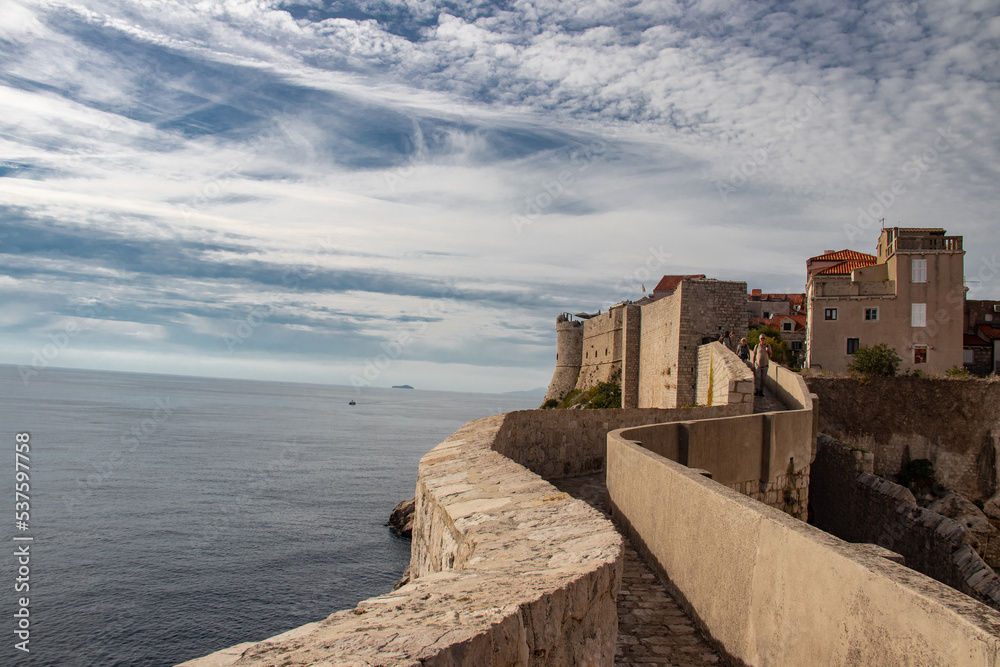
{"x":508,"y":571}
{"x":723,"y":378}
{"x":857,"y":506}
{"x":955,"y":423}
{"x":782,"y":592}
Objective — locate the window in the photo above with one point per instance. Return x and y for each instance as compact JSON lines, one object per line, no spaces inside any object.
{"x":767,"y":314}
{"x":797,"y":345}
{"x":968,"y":357}
{"x":786,"y":326}
{"x":989,"y":317}
{"x":920,"y":354}
{"x":918,"y":315}
{"x":919,"y":271}
{"x":852,"y":345}
{"x":871,"y":314}
{"x":831,"y":313}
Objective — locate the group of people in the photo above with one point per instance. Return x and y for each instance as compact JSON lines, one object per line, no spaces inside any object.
{"x":758,"y":359}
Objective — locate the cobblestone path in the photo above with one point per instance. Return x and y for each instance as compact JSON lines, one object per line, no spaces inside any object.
{"x":652,"y":627}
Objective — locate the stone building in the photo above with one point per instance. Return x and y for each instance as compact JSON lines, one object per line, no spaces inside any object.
{"x":765,"y":306}
{"x":653,"y":344}
{"x":909,"y":297}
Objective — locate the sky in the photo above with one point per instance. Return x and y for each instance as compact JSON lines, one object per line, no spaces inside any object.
{"x":378,"y":192}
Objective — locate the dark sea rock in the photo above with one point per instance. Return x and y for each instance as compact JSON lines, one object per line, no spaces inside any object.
{"x":401,"y":518}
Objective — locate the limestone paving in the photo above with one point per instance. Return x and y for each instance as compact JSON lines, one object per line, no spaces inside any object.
{"x":652,"y":627}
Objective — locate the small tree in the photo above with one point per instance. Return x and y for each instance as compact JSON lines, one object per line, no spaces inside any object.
{"x":875,"y":361}
{"x":780,"y":351}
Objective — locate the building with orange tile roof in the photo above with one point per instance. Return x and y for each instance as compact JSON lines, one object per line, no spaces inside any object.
{"x":910,"y":296}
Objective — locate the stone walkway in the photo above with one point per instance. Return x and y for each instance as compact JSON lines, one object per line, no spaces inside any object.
{"x":767,"y":403}
{"x":652,"y":627}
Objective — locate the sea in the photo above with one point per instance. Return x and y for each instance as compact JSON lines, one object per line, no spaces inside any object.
{"x":171,"y":516}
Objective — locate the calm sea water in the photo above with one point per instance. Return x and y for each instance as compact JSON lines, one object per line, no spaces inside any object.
{"x":174,"y":516}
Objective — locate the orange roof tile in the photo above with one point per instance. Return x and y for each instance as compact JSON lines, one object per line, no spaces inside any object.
{"x":844,"y":255}
{"x":990,"y":332}
{"x":971,"y":340}
{"x":845,"y":268}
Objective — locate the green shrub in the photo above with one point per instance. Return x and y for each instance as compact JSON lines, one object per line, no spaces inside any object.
{"x":568,"y":399}
{"x":958,"y":372}
{"x":550,"y":404}
{"x":604,"y":395}
{"x":875,"y":361}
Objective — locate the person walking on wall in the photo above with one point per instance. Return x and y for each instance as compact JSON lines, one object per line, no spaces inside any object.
{"x":743,"y":351}
{"x":727,"y":340}
{"x":760,"y":360}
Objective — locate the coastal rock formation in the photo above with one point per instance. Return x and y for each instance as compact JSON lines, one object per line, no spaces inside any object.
{"x":401,"y":518}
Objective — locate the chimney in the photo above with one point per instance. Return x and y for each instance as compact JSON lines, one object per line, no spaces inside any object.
{"x":755,"y":292}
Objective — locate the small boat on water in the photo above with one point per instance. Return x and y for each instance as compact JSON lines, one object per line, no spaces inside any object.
{"x":353,"y":403}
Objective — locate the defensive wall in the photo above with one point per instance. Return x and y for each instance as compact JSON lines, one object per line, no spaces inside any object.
{"x":770,"y":589}
{"x":653,"y":344}
{"x":955,"y":423}
{"x":723,"y":378}
{"x":602,"y":348}
{"x":509,"y":571}
{"x":765,"y":456}
{"x":850,"y":502}
{"x":506,"y":570}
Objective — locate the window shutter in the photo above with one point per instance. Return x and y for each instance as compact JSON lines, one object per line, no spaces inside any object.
{"x":918,"y":315}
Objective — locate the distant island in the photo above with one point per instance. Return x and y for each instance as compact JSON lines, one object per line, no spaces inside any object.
{"x":401,"y":386}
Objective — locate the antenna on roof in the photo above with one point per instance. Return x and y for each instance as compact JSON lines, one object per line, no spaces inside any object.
{"x":883,"y":223}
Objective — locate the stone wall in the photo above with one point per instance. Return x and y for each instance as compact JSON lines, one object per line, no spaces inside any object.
{"x":723,"y":378}
{"x":953,"y":422}
{"x":658,"y":353}
{"x":708,"y":309}
{"x":602,"y":349}
{"x":509,"y":571}
{"x":779,"y":591}
{"x":855,"y":505}
{"x":631,"y":361}
{"x":764,"y":456}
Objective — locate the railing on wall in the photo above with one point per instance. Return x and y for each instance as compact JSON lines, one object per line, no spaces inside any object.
{"x":949,"y":243}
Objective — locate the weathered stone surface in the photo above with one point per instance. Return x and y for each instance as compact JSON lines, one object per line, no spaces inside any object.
{"x":961,"y":509}
{"x":401,"y":518}
{"x":773,"y":590}
{"x":506,"y":570}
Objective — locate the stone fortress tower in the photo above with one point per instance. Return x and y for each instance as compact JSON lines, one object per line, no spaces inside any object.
{"x":569,"y":356}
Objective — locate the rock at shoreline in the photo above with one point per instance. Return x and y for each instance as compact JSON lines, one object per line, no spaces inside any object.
{"x":401,"y":518}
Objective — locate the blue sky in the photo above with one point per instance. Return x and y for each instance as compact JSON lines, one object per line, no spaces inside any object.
{"x":410,"y":192}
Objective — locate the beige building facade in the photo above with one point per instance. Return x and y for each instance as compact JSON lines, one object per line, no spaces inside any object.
{"x":910,"y":296}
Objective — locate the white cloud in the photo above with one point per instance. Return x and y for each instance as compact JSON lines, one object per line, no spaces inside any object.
{"x":208,"y":148}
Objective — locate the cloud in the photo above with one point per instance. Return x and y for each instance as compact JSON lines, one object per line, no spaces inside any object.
{"x":327,"y":176}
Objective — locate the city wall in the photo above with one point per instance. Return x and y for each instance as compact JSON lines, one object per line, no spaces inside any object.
{"x":653,"y":345}
{"x":765,"y":456}
{"x":602,"y":349}
{"x":855,"y":505}
{"x":782,"y":592}
{"x":723,"y":378}
{"x":506,"y":569}
{"x":953,"y":422}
